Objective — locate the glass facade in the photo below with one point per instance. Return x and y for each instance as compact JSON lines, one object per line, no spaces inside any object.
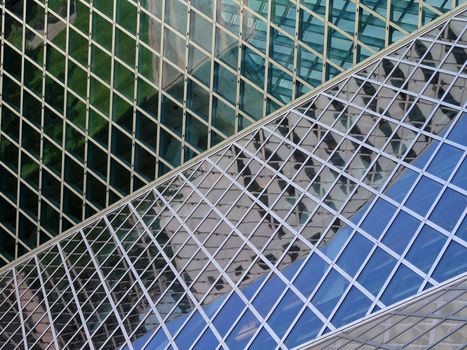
{"x":433,"y":320}
{"x":101,"y":97}
{"x":341,"y":205}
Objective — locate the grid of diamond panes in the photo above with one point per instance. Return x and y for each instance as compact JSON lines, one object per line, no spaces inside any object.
{"x":334,"y":209}
{"x":433,"y":320}
{"x":101,"y":97}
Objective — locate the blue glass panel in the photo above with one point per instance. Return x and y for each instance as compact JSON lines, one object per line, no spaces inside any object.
{"x":403,"y":284}
{"x":206,"y":340}
{"x":376,"y":271}
{"x":426,"y":248}
{"x":310,"y":275}
{"x":378,"y":217}
{"x":306,"y":328}
{"x":243,"y":331}
{"x":445,"y":161}
{"x":334,"y":246}
{"x":354,"y":254}
{"x":354,"y":306}
{"x":459,"y":131}
{"x":191,"y":331}
{"x":159,"y":341}
{"x":285,"y":313}
{"x":453,"y":262}
{"x":229,"y":312}
{"x":423,"y":195}
{"x":423,"y":158}
{"x":462,"y":230}
{"x":268,"y":295}
{"x":263,"y":341}
{"x":330,"y":292}
{"x":449,"y":209}
{"x":400,"y":232}
{"x":399,"y":190}
{"x":460,"y":179}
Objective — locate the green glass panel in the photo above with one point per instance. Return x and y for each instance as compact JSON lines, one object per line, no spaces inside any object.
{"x":98,"y":128}
{"x":150,"y":31}
{"x":126,"y":15}
{"x":78,"y":47}
{"x":74,"y":142}
{"x":77,"y":79}
{"x":122,"y":113}
{"x":125,"y":47}
{"x":99,"y":95}
{"x":76,"y":111}
{"x":149,"y":65}
{"x":55,"y":63}
{"x":102,"y":31}
{"x":31,"y":140}
{"x":148,"y":98}
{"x":100,"y":63}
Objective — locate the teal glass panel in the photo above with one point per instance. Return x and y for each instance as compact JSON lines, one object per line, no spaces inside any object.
{"x":283,"y":14}
{"x":371,"y":31}
{"x":201,"y":31}
{"x":223,"y":117}
{"x":281,"y":49}
{"x":175,"y":15}
{"x":196,"y":133}
{"x":311,"y":31}
{"x":255,"y":31}
{"x":251,"y":101}
{"x":225,"y":83}
{"x":226,"y":48}
{"x":342,"y":13}
{"x":280,"y":84}
{"x":253,"y":67}
{"x":405,"y":14}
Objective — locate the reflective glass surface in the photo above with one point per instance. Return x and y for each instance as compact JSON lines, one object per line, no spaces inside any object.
{"x":103,"y":97}
{"x":301,"y":225}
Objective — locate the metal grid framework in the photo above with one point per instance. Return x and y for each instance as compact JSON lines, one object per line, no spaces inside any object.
{"x":348,"y":203}
{"x":434,"y":320}
{"x":101,"y":97}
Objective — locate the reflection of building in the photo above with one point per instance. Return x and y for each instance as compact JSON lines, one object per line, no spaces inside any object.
{"x":339,"y":206}
{"x":100,"y":98}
